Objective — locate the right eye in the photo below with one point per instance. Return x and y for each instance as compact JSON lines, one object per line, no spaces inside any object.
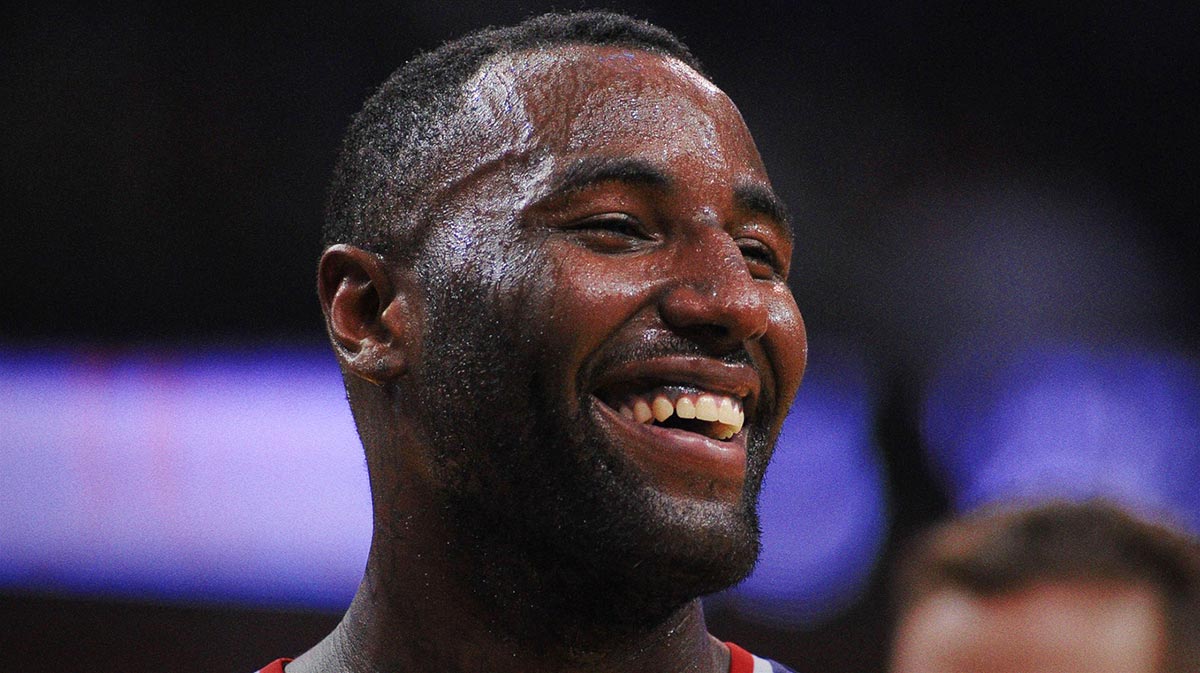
{"x":610,"y":232}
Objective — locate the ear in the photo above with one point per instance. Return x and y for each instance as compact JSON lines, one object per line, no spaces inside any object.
{"x":367,"y":313}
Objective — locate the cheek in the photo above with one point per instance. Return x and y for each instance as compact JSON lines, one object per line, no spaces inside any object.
{"x":591,"y":296}
{"x":786,"y":342}
{"x":596,"y":282}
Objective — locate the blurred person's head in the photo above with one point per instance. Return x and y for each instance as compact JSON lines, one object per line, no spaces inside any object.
{"x":1056,"y":588}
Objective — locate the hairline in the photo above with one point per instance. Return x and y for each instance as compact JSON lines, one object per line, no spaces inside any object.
{"x":370,"y":198}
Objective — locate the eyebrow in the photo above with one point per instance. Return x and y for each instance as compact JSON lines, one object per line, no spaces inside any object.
{"x":589,"y":171}
{"x":760,"y":199}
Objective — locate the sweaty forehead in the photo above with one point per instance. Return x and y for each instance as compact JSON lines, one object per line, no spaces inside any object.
{"x":577,"y":98}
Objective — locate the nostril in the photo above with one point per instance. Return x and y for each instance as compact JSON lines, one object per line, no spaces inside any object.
{"x":724,"y":314}
{"x":707,"y":333}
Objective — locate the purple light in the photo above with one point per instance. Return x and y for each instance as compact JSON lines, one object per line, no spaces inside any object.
{"x":1072,"y":423}
{"x":219,"y":476}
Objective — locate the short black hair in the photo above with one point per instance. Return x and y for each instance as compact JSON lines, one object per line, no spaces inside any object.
{"x":380,"y":171}
{"x":999,"y":551}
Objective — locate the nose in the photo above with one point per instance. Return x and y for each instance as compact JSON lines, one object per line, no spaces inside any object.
{"x":713,"y":298}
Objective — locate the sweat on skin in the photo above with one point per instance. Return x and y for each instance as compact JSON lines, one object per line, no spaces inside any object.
{"x":602,"y":240}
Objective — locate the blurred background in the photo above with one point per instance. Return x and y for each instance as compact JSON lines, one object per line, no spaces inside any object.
{"x":996,"y":210}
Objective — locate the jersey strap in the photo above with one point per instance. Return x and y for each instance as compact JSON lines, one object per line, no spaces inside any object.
{"x":741,"y":661}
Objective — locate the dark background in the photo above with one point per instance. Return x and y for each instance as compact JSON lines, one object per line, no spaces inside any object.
{"x":961,"y":173}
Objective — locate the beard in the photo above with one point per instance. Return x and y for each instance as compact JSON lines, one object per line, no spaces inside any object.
{"x":568,"y":542}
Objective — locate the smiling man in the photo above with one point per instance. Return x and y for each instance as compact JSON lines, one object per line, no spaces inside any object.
{"x":555,"y":280}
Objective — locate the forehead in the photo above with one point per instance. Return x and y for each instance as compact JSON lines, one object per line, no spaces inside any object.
{"x":1065,"y":627}
{"x":586,"y":99}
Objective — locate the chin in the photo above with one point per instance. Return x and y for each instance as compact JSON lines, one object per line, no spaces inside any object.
{"x":616,"y":522}
{"x":627,"y":541}
{"x":635,"y":576}
{"x":693,"y":553}
{"x":704,"y":545}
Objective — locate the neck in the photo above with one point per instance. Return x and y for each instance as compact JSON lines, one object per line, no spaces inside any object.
{"x":415,"y":613}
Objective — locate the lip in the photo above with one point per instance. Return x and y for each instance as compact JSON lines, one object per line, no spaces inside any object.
{"x":680,"y":462}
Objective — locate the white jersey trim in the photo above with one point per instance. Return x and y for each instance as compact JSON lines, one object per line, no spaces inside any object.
{"x":762,"y":665}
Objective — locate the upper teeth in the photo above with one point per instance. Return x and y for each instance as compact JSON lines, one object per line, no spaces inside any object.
{"x":726,"y":412}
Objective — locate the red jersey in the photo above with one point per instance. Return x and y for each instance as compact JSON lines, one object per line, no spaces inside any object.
{"x":740,"y":661}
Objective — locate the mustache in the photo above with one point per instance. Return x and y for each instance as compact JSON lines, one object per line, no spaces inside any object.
{"x":662,"y":343}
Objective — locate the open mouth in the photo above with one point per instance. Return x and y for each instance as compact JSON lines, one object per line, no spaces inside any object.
{"x":715,"y":415}
{"x":682,"y":421}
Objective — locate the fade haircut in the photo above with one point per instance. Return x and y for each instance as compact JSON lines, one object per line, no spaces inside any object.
{"x":386,"y":155}
{"x":1001,"y":551}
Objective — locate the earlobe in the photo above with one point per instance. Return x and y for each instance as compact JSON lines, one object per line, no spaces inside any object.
{"x":367,"y":315}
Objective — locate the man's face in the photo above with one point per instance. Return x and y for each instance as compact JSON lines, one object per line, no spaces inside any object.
{"x":1061,"y":627}
{"x":610,"y":344}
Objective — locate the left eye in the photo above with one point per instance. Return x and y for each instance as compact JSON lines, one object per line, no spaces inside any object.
{"x":760,"y":259}
{"x":616,"y":224}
